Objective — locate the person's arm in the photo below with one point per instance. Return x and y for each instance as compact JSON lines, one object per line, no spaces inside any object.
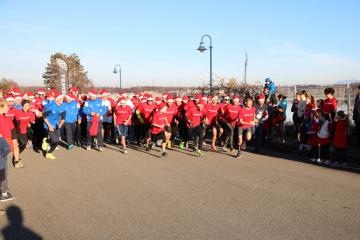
{"x":62,"y":119}
{"x":51,"y":128}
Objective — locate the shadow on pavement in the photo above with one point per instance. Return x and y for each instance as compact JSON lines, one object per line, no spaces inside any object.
{"x":16,"y":230}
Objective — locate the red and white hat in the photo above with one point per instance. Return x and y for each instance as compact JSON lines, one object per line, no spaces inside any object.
{"x":9,"y":97}
{"x":185,"y":98}
{"x":30,"y":95}
{"x":104,"y":93}
{"x":178,"y":98}
{"x":15,"y":91}
{"x":70,"y":96}
{"x":93,"y":93}
{"x":18,"y":96}
{"x":205,"y":98}
{"x":58,"y":95}
{"x":150,"y":97}
{"x":261,"y":97}
{"x":236,"y":98}
{"x":169,"y":98}
{"x":122,"y":100}
{"x":40,"y":91}
{"x":157,"y":99}
{"x":73,"y":90}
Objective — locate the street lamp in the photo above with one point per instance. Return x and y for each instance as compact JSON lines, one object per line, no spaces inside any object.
{"x":116,"y":71}
{"x":202,"y":49}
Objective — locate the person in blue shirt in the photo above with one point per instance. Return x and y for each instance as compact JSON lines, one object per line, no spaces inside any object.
{"x":94,"y":107}
{"x":72,"y":108}
{"x":54,"y":118}
{"x":271,"y":85}
{"x":282,"y":102}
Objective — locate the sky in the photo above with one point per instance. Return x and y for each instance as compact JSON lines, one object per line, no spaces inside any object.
{"x":155,"y":42}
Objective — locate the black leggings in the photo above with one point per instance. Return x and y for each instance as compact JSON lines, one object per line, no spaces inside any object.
{"x":325,"y":152}
{"x":54,"y":139}
{"x":196,"y":133}
{"x":228,"y":134}
{"x":23,"y":140}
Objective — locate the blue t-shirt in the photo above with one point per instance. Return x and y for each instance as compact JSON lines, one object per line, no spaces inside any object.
{"x":53,"y":113}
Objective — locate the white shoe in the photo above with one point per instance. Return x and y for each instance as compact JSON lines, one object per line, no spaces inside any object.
{"x":313,"y":159}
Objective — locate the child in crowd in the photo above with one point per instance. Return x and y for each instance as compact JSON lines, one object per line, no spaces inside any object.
{"x":341,"y":138}
{"x":312,"y":141}
{"x":323,"y":137}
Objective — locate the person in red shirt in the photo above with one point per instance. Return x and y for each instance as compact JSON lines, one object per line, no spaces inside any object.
{"x":144,"y":114}
{"x":246,"y":124}
{"x":211,"y":111}
{"x":195,"y":117}
{"x":122,"y":119}
{"x":157,"y":131}
{"x":8,"y":130}
{"x":231,"y":113}
{"x":182,"y":122}
{"x":23,"y":119}
{"x":330,"y":103}
{"x":341,"y":138}
{"x":171,"y":113}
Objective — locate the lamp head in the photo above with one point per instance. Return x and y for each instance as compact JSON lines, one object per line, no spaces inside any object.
{"x":202,"y":48}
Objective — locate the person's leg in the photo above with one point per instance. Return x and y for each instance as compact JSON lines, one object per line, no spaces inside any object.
{"x":88,"y":137}
{"x":22,"y":139}
{"x":201,"y":134}
{"x":54,"y":139}
{"x":214,"y":136}
{"x":357,"y":129}
{"x":100,"y":139}
{"x":69,"y":134}
{"x":4,"y":183}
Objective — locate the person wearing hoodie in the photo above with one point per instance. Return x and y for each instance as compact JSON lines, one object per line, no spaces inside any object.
{"x":94,"y":109}
{"x":72,"y":108}
{"x":54,"y":116}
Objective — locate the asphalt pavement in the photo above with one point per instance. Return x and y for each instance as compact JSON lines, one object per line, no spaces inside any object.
{"x":109,"y":195}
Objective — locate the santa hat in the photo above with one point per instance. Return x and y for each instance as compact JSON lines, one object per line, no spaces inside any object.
{"x":137,"y":94}
{"x":16,"y":91}
{"x":150,"y":97}
{"x":122,"y":100}
{"x":227,"y":97}
{"x":50,"y":94}
{"x":18,"y":96}
{"x":104,"y":92}
{"x":58,"y":95}
{"x":70,"y":96}
{"x":185,"y":98}
{"x":236,"y":98}
{"x":83,"y":98}
{"x":157,"y":99}
{"x":169,"y":98}
{"x":164,"y":95}
{"x":73,"y":90}
{"x":204,"y":98}
{"x":178,"y":98}
{"x":9,"y":98}
{"x":30,"y":95}
{"x":261,"y":97}
{"x":40,"y":91}
{"x":143,"y":99}
{"x":93,"y":93}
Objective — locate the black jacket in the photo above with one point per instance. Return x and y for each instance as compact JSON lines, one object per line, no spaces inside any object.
{"x":356,"y":111}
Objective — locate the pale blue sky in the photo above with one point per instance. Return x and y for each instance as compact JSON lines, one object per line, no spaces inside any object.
{"x":155,"y":41}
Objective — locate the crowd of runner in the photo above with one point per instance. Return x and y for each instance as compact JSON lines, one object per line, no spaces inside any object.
{"x":43,"y":119}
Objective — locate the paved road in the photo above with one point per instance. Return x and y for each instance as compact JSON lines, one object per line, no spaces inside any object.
{"x":93,"y":195}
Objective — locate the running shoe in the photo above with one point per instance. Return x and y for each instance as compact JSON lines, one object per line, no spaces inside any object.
{"x":44,"y":144}
{"x":50,"y":156}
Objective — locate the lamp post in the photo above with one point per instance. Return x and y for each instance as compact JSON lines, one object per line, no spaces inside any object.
{"x":116,"y":71}
{"x":201,"y":49}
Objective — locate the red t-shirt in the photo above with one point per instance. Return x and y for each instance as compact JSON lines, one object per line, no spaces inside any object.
{"x":329,"y":105}
{"x":212,"y":113}
{"x":122,"y":114}
{"x":247,"y":115}
{"x":159,"y":119}
{"x":231,"y":113}
{"x":340,"y":136}
{"x":23,"y":119}
{"x":194,"y":116}
{"x":38,"y":103}
{"x":170,"y":114}
{"x":146,"y":111}
{"x":6,"y":125}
